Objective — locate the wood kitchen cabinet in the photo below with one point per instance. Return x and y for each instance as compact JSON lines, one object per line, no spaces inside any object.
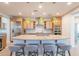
{"x":33,"y":24}
{"x":47,"y":25}
{"x":56,"y":25}
{"x":2,"y":41}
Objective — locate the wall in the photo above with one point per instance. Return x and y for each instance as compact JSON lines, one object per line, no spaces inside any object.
{"x":68,"y":26}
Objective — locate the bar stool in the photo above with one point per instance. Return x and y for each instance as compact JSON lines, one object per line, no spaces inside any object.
{"x":22,"y":48}
{"x":48,"y":50}
{"x":32,"y":47}
{"x":14,"y":49}
{"x":49,"y":47}
{"x":32,"y":50}
{"x":62,"y":48}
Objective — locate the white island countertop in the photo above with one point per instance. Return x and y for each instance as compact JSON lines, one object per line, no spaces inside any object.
{"x":39,"y":37}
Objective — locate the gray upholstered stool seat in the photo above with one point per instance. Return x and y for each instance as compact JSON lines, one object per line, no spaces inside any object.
{"x":22,"y":45}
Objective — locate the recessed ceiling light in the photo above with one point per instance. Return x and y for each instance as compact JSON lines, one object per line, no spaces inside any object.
{"x":69,"y":3}
{"x":6,"y":2}
{"x":44,"y":13}
{"x":33,"y":13}
{"x":20,"y":13}
{"x":40,"y":6}
{"x":57,"y":13}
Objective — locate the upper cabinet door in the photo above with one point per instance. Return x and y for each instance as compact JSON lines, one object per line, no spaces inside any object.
{"x":57,"y":25}
{"x":48,"y":26}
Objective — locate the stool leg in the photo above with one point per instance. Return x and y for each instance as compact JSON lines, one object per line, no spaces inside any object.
{"x":52,"y":53}
{"x":10,"y":53}
{"x":44,"y":52}
{"x":37,"y":52}
{"x":63,"y":53}
{"x":23,"y":51}
{"x":69,"y":53}
{"x":16,"y":53}
{"x":29,"y":53}
{"x":57,"y":51}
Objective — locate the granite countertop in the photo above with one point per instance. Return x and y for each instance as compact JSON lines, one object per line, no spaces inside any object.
{"x":39,"y":34}
{"x":36,"y":37}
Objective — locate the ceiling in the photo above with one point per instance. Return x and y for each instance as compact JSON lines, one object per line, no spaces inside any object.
{"x":31,"y":8}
